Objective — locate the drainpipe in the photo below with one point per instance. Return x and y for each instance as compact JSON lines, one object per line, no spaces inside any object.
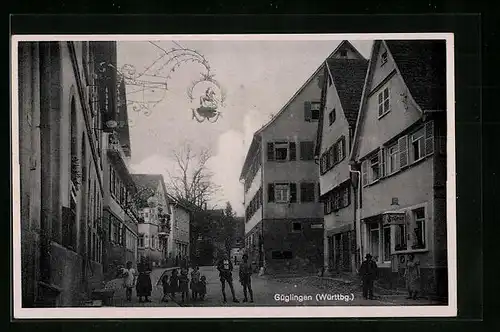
{"x":357,"y":221}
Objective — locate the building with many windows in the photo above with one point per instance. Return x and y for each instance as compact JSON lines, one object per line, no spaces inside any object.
{"x":155,"y":218}
{"x":283,"y":213}
{"x":61,"y":122}
{"x":400,"y":150}
{"x":179,"y":238}
{"x":341,"y":92}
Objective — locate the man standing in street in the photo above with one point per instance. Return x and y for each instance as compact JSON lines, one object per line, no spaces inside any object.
{"x":245,"y":278}
{"x":225,"y":268}
{"x":368,"y":273}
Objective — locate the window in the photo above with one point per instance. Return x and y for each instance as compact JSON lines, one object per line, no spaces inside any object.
{"x":417,"y":145}
{"x":338,"y":198}
{"x":383,"y":102}
{"x":343,"y":53}
{"x":374,"y":168}
{"x":306,"y":150}
{"x":392,"y":159}
{"x":281,"y":193}
{"x":383,"y":58}
{"x":400,"y":237}
{"x":374,"y":241}
{"x":311,"y":111}
{"x":419,"y":215}
{"x":339,"y":150}
{"x":387,"y":243}
{"x":334,"y":155}
{"x":307,"y":192}
{"x":296,"y":227}
{"x":281,"y":151}
{"x":315,"y":106}
{"x":331,"y":117}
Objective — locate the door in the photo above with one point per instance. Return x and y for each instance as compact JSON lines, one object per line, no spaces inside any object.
{"x":346,"y":253}
{"x":338,"y":252}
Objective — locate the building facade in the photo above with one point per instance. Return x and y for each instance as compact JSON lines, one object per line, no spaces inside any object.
{"x":283,"y":213}
{"x":400,"y":151}
{"x":155,"y":218}
{"x":179,"y":247}
{"x":61,"y":166}
{"x":342,"y":86}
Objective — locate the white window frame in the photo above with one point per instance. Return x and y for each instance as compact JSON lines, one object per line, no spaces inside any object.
{"x":315,"y":106}
{"x":281,"y":145}
{"x":370,"y":244}
{"x":281,"y":193}
{"x":372,"y":178}
{"x":420,"y":140}
{"x":424,"y":230}
{"x":383,"y":243}
{"x":381,"y":99}
{"x":393,"y":159}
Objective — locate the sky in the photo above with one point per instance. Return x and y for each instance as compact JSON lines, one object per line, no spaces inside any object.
{"x":258,"y":79}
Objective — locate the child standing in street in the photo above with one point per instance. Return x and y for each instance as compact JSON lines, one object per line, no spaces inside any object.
{"x":129,"y":276}
{"x":166,"y":287}
{"x":184,"y":284}
{"x":174,"y":283}
{"x":195,"y":280}
{"x":202,"y":287}
{"x":246,"y":278}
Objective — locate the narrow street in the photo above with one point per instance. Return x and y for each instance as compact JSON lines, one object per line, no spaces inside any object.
{"x":304,"y":291}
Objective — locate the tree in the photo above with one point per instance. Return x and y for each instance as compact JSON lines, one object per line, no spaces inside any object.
{"x":228,"y":227}
{"x":191,"y":181}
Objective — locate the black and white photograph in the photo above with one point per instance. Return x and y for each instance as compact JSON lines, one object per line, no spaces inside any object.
{"x":198,"y":176}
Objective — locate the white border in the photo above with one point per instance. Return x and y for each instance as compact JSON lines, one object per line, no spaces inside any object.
{"x":240,"y":312}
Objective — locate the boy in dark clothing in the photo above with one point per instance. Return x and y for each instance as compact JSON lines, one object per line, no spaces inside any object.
{"x":245,"y":278}
{"x":174,"y":283}
{"x":368,"y":273}
{"x":225,"y":268}
{"x":202,"y":288}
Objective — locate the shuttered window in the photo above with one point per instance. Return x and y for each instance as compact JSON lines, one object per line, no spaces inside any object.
{"x":364,"y":172}
{"x":429,"y":138}
{"x":270,"y":192}
{"x":270,"y":151}
{"x":403,"y":151}
{"x":293,"y":151}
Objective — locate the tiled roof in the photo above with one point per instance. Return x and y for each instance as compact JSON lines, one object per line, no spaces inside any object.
{"x":422,"y":64}
{"x":348,"y":77}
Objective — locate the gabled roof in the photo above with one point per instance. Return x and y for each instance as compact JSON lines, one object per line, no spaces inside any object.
{"x":256,"y":137}
{"x":150,"y":181}
{"x":348,"y":76}
{"x":421,"y":64}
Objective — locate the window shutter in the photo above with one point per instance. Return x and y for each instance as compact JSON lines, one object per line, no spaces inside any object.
{"x":381,"y":162}
{"x":293,"y":151}
{"x":303,"y":152}
{"x":270,"y":192}
{"x":270,"y":151}
{"x":429,"y":138}
{"x":348,"y":188}
{"x":293,"y":192}
{"x":364,"y":171}
{"x":302,"y":191}
{"x":403,"y":151}
{"x":307,"y":111}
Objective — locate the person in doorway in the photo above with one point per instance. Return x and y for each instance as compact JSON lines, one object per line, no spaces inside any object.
{"x":195,"y":283}
{"x":144,"y":286}
{"x":184,"y":284}
{"x":368,"y":273}
{"x":412,"y":276}
{"x":129,"y":276}
{"x":246,"y":278}
{"x":225,"y":268}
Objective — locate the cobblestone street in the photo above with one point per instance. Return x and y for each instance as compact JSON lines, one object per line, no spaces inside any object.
{"x":267,"y":290}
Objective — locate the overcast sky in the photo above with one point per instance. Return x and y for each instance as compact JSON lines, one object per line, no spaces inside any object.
{"x":258,"y":77}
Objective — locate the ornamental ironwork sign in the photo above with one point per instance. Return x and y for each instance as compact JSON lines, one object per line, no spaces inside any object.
{"x":147,"y":88}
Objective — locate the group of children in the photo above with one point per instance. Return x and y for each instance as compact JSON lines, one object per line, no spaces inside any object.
{"x":180,"y":283}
